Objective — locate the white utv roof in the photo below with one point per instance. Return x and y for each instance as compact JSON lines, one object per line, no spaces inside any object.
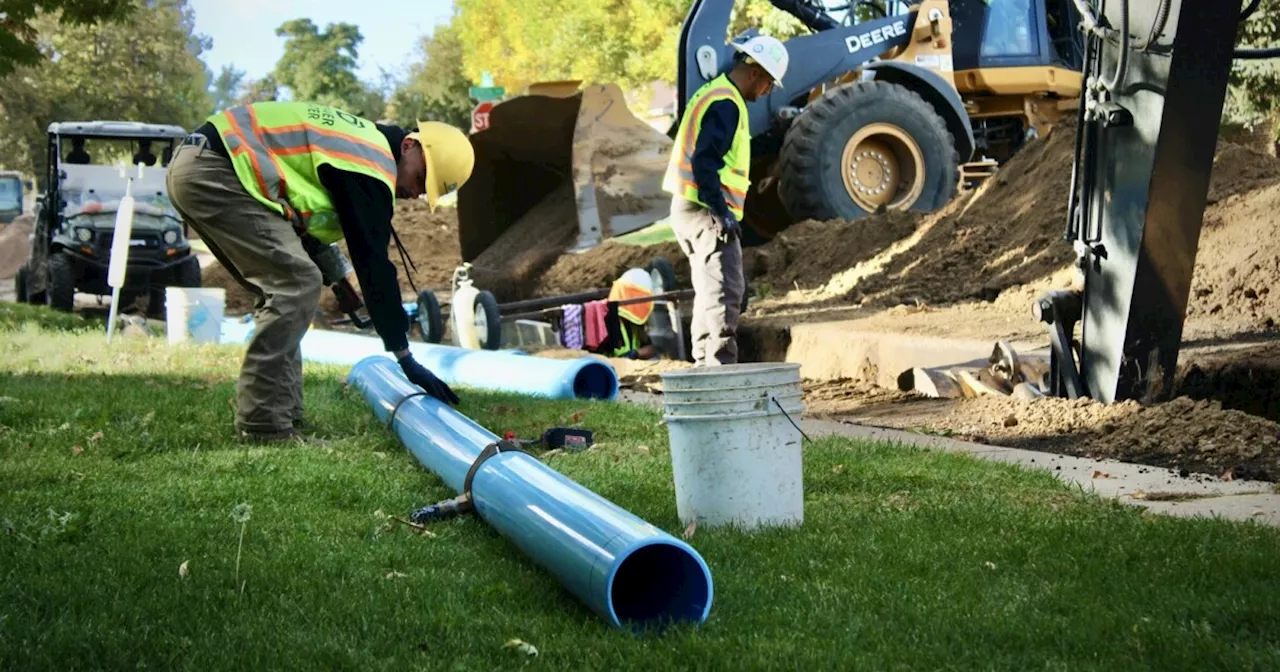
{"x":116,"y":129}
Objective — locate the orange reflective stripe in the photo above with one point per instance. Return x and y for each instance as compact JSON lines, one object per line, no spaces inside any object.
{"x":257,"y":131}
{"x":337,"y":154}
{"x":318,"y":130}
{"x":694,"y":115}
{"x":253,"y":157}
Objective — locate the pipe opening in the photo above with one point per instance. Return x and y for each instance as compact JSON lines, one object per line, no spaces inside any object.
{"x":660,"y":584}
{"x":595,"y":380}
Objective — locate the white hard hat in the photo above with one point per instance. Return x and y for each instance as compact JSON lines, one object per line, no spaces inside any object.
{"x":638,"y":277}
{"x":769,"y":53}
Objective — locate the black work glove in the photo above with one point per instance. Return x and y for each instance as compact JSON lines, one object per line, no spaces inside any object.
{"x":420,"y":376}
{"x":730,"y":229}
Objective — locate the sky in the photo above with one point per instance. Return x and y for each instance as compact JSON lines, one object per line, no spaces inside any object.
{"x":244,"y":31}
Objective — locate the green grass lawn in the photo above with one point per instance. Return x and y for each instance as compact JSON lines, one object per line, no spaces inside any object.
{"x":118,"y":467}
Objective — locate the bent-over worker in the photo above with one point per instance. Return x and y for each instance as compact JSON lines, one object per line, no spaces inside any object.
{"x":709,"y":175}
{"x":255,"y":179}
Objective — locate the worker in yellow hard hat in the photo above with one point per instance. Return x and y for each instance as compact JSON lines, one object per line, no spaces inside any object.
{"x":270,"y":187}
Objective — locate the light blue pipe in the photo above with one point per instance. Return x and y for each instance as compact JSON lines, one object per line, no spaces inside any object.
{"x":630,"y":572}
{"x":501,"y":371}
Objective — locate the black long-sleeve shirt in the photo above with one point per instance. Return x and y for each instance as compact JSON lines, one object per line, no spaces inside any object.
{"x":365,"y":207}
{"x":715,"y":138}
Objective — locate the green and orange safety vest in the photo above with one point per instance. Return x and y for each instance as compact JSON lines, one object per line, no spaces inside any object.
{"x":735,"y":176}
{"x":277,"y":149}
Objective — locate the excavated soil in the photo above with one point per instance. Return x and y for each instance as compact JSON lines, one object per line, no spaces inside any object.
{"x":1238,"y":265}
{"x":973,"y":270}
{"x":1183,"y":434}
{"x":15,"y":247}
{"x":598,"y":267}
{"x":431,"y":239}
{"x":809,"y":254}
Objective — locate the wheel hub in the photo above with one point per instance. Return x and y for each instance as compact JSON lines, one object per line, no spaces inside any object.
{"x":882,"y":166}
{"x":873,"y":172}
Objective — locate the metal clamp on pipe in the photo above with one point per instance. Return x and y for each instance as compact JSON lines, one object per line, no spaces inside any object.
{"x":449,"y":508}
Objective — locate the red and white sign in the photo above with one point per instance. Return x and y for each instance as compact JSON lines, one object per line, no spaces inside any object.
{"x":480,"y":116}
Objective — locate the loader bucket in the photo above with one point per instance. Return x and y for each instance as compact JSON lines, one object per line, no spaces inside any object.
{"x":534,"y":143}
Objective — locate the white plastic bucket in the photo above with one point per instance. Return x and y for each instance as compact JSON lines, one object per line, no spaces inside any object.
{"x":194,"y":314}
{"x":735,"y":454}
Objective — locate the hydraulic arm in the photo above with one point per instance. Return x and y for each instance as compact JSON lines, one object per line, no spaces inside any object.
{"x":1156,"y":79}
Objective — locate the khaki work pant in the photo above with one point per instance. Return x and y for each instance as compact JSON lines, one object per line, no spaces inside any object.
{"x":260,"y":249}
{"x":718,"y":284}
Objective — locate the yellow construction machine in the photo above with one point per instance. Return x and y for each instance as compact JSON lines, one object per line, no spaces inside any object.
{"x":892,"y":106}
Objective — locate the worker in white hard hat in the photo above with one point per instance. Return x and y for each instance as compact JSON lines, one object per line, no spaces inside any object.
{"x":709,"y":176}
{"x":265,"y":184}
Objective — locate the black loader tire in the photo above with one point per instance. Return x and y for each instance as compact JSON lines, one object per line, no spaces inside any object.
{"x":61,"y":294}
{"x":185,"y":274}
{"x":487,"y":305}
{"x":812,"y":185}
{"x":430,"y":319}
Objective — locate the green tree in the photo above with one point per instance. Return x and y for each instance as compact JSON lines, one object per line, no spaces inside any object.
{"x":145,"y":67}
{"x":319,"y":66}
{"x":19,"y":32}
{"x":1255,"y":90}
{"x":436,"y":88}
{"x":260,"y":90}
{"x":630,"y":42}
{"x":227,"y":87}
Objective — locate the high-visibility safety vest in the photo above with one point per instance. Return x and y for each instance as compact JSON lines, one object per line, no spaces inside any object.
{"x":735,"y":176}
{"x":277,"y":149}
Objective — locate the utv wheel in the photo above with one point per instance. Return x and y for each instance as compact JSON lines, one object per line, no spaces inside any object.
{"x":61,"y":288}
{"x":20,"y":283}
{"x":186,"y":274}
{"x":866,"y":146}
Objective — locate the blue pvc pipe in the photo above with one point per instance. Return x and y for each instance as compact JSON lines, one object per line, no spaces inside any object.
{"x":626,"y":570}
{"x":500,"y":370}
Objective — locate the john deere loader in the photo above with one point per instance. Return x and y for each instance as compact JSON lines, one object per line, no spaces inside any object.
{"x":892,"y":106}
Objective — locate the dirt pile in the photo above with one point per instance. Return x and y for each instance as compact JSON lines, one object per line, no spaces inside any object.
{"x":809,"y":254}
{"x":598,"y":267}
{"x":15,"y":247}
{"x":1198,"y":436}
{"x":1238,"y":170}
{"x":431,"y":239}
{"x":1238,"y":265}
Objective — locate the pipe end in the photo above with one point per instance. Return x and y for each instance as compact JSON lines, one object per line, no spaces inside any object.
{"x":659,"y":584}
{"x":595,"y":380}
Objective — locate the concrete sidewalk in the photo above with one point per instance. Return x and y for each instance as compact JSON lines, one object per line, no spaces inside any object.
{"x":1154,"y":488}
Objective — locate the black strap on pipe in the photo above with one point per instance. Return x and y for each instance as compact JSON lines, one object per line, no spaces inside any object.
{"x":391,"y":419}
{"x":1257,"y":54}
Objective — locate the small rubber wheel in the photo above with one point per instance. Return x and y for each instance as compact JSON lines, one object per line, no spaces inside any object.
{"x":663,"y":275}
{"x":488,"y":321}
{"x":430,"y":320}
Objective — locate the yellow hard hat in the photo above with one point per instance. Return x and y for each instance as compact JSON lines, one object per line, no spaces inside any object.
{"x":450,"y":158}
